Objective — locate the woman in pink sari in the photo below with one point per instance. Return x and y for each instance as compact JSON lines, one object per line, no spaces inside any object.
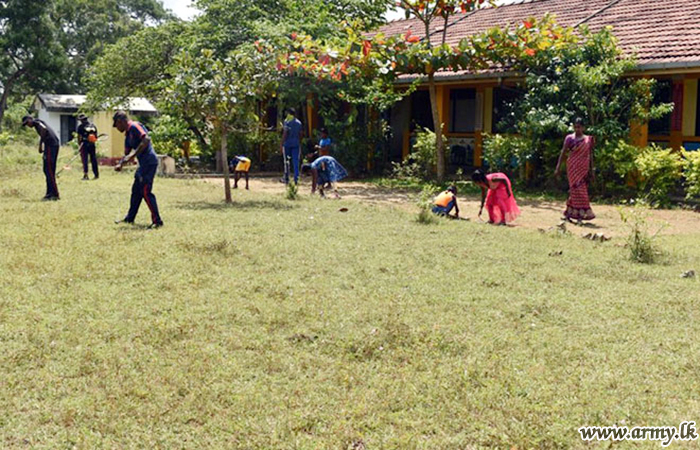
{"x":497,"y":195}
{"x":578,"y":153}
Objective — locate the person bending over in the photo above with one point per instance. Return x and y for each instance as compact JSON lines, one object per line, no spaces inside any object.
{"x":325,"y":173}
{"x":497,"y":194}
{"x":240,"y":166}
{"x":445,"y":202}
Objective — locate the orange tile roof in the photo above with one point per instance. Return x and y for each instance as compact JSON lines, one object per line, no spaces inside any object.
{"x":662,"y":33}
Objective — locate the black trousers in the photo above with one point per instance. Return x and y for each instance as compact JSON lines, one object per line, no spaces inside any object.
{"x":142,"y":189}
{"x":50,"y":156}
{"x":87,"y":150}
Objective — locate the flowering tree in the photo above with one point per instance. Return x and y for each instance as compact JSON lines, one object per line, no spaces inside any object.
{"x":383,"y":59}
{"x":223,"y":92}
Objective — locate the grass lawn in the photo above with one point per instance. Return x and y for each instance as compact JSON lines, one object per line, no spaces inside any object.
{"x":276,"y":324}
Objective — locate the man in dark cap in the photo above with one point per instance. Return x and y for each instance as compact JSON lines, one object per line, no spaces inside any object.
{"x":87,"y":137}
{"x":48,"y":146}
{"x":138,"y":145}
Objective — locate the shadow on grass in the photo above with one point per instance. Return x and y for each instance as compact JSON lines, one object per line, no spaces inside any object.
{"x":134,"y":228}
{"x":237,"y":205}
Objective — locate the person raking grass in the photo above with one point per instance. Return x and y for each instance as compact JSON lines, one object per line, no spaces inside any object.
{"x":497,"y":195}
{"x":445,"y":202}
{"x":138,"y":145}
{"x":48,"y":147}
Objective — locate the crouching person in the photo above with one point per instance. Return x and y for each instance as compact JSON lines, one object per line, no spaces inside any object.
{"x":325,"y":173}
{"x":445,"y":202}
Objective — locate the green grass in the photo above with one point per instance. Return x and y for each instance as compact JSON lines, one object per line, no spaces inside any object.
{"x":289,"y":325}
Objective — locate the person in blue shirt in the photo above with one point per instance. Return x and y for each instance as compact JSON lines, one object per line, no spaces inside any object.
{"x":291,"y":144}
{"x":324,"y":145}
{"x":138,"y":145}
{"x":325,"y":172}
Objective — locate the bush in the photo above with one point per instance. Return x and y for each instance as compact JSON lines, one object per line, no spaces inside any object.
{"x":169,"y":133}
{"x":505,"y":153}
{"x":292,"y":192}
{"x":420,"y":164}
{"x":357,"y":139}
{"x":425,"y":207}
{"x":691,"y":174}
{"x":660,"y":171}
{"x":640,"y":242}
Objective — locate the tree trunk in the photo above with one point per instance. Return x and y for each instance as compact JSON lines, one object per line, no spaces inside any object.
{"x":224,"y":157}
{"x":3,"y":104}
{"x":438,"y":127}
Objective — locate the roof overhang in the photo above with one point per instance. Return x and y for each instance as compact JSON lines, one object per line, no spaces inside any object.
{"x":653,"y":69}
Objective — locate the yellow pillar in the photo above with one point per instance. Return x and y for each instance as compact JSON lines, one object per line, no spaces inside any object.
{"x":639,"y":134}
{"x":311,"y":114}
{"x":488,"y":110}
{"x":690,"y":105}
{"x":677,"y":115}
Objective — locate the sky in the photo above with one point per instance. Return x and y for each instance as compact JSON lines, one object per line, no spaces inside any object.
{"x":184,"y":9}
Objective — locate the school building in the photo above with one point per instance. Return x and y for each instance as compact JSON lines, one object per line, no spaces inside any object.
{"x":60,"y":112}
{"x":663,"y":34}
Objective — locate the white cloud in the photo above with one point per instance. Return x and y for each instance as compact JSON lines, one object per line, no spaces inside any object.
{"x":398,"y":15}
{"x":181,"y":8}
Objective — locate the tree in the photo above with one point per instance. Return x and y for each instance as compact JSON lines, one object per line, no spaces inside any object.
{"x":223,"y":91}
{"x":31,"y":56}
{"x":429,"y":12}
{"x":585,"y":78}
{"x":87,"y":27}
{"x":49,"y":44}
{"x":379,"y":61}
{"x":225,"y":26}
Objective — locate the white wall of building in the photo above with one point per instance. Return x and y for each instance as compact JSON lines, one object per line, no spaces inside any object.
{"x":52,"y":119}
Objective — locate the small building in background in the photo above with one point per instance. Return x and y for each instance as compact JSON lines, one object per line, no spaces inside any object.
{"x":60,"y":112}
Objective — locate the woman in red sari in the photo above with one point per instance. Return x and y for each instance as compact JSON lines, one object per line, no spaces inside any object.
{"x":578,"y":154}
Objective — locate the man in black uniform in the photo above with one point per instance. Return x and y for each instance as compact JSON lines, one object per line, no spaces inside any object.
{"x":48,"y":145}
{"x":87,"y":136}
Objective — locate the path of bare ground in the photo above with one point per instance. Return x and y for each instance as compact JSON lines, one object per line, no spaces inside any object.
{"x":536,"y":214}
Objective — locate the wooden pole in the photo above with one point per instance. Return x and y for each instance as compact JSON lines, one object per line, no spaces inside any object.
{"x":224,"y":157}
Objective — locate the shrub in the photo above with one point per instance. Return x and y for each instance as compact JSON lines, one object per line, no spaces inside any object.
{"x":660,"y":171}
{"x":640,"y":242}
{"x":691,"y":173}
{"x":505,"y":153}
{"x":425,"y":207}
{"x":292,"y":192}
{"x":169,"y":133}
{"x":421,"y":163}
